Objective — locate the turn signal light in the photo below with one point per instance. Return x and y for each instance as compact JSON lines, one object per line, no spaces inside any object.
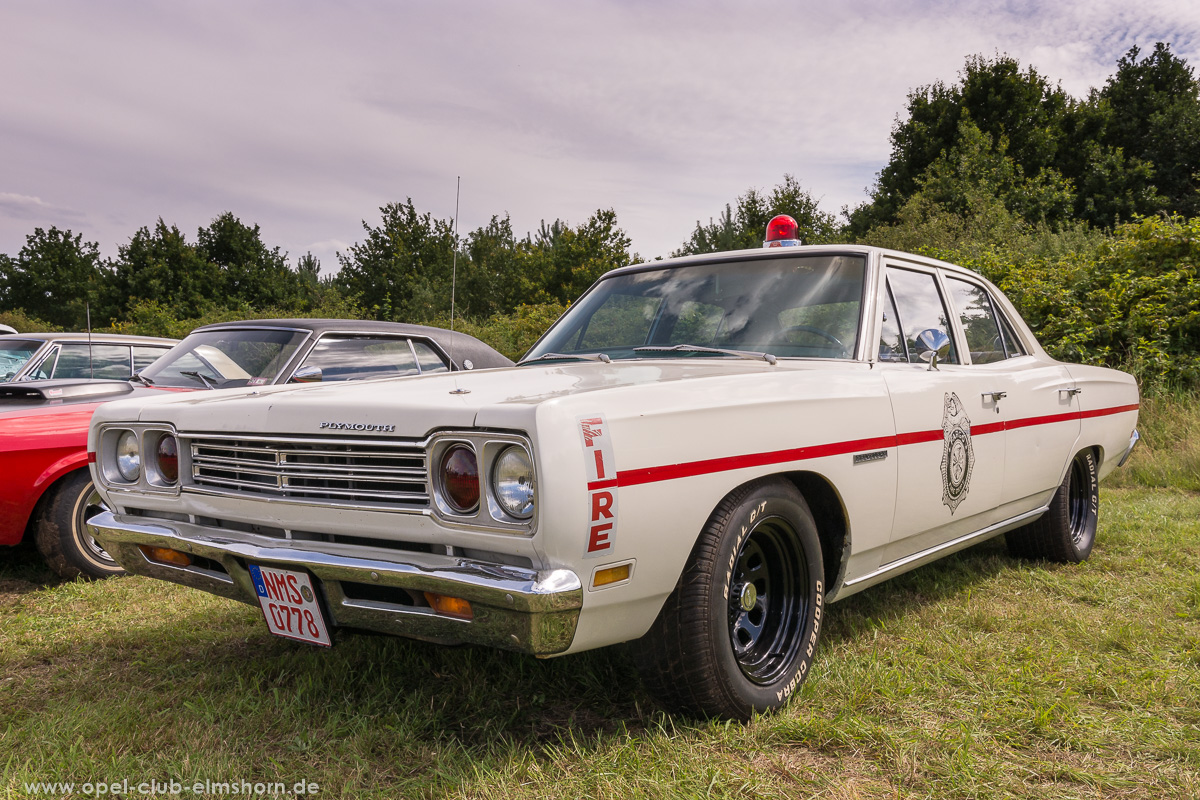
{"x":165,"y":555}
{"x":450,"y":606}
{"x":604,"y":577}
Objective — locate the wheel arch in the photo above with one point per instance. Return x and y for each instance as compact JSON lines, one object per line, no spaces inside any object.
{"x":833,"y":526}
{"x":38,"y":490}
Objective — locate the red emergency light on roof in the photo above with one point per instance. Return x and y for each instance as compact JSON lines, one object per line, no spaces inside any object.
{"x":782,"y":231}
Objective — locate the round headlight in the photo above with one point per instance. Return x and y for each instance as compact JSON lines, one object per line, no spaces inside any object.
{"x":512,"y":482}
{"x":460,"y":478}
{"x":167,"y":454}
{"x":129,"y":457}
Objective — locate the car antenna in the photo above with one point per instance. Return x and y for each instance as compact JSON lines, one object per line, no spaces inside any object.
{"x":91,"y":370}
{"x":453,"y":287}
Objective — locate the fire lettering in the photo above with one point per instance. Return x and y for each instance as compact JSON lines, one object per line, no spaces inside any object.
{"x":602,"y":498}
{"x":598,"y":538}
{"x":591,"y":430}
{"x":602,"y":506}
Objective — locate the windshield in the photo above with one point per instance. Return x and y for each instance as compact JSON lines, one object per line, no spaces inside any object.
{"x":13,"y":355}
{"x":226,"y":358}
{"x":799,"y":307}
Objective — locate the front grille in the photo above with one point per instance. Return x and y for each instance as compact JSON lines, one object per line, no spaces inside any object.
{"x":386,"y":475}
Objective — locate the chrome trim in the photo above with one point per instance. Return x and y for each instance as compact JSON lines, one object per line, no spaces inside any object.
{"x":934,"y":552}
{"x":488,"y":515}
{"x":1134,"y":438}
{"x":148,"y":480}
{"x":531,"y":611}
{"x":375,"y":472}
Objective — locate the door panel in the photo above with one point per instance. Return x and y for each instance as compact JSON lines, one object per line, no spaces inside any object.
{"x":1042,"y":432}
{"x":951,"y":454}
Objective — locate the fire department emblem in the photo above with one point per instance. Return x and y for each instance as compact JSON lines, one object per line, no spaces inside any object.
{"x":958,"y":456}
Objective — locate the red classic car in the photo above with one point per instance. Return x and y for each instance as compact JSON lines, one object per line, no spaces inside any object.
{"x":45,"y":488}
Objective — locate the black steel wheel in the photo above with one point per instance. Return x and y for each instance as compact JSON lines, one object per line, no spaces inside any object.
{"x":1067,"y":531}
{"x":738,"y":633}
{"x":62,"y":535}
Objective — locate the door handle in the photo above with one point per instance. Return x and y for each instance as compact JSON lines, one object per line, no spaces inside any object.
{"x":1074,"y":390}
{"x":996,"y":398}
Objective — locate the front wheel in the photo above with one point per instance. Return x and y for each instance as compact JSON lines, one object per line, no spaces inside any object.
{"x":62,"y":535}
{"x":738,"y":633}
{"x":1067,"y":531}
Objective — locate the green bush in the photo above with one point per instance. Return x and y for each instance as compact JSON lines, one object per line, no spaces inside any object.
{"x":1131,"y":301}
{"x":24,"y":323}
{"x":511,"y":334}
{"x":152,"y":318}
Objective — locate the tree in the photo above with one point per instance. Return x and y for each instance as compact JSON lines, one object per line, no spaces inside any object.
{"x":745,"y":228}
{"x":1152,"y":115}
{"x":1017,"y":106}
{"x":577,"y":257}
{"x":308,"y":267}
{"x":250,"y":273}
{"x":161,"y":265}
{"x":400,"y":270}
{"x":55,"y":277}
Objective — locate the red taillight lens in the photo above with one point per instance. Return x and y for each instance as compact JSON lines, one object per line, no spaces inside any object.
{"x":460,"y":478}
{"x":168,"y":458}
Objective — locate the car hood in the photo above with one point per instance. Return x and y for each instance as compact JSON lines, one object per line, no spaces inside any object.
{"x":415,"y":406}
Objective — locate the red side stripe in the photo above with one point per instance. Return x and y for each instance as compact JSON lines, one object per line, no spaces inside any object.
{"x":919,"y":437}
{"x":634,"y":477}
{"x":1104,"y":412}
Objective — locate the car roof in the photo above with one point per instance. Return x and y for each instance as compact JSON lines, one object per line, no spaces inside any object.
{"x":464,"y":346}
{"x":752,"y":253}
{"x":96,"y":338}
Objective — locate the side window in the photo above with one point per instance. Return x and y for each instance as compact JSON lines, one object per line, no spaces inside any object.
{"x":346,"y":358}
{"x":623,"y":318}
{"x":1012,"y":345}
{"x":920,"y":307}
{"x":104,"y":361}
{"x":428,"y":358}
{"x":145,"y":356}
{"x":978,"y":317}
{"x":891,"y":342}
{"x":46,"y":368}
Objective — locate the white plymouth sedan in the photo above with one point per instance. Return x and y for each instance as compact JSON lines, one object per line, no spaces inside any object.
{"x":700,"y":455}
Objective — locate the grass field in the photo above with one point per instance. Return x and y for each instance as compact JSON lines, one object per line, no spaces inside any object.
{"x":979,"y":676}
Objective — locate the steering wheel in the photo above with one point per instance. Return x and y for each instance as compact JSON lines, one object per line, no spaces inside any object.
{"x":826,"y":335}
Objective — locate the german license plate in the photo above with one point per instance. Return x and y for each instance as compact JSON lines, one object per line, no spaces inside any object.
{"x":289,"y":602}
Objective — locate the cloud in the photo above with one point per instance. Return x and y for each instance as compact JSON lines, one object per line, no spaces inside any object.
{"x":305,"y":118}
{"x":23,"y":207}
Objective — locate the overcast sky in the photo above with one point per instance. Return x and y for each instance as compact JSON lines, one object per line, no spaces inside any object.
{"x":306,"y":117}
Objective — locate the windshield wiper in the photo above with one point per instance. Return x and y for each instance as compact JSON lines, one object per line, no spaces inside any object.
{"x":578,"y":356}
{"x":140,"y":378}
{"x":208,"y":383}
{"x":696,"y":348}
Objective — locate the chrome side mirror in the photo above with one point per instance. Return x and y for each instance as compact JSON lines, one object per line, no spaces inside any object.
{"x":932,"y":344}
{"x":307,"y":374}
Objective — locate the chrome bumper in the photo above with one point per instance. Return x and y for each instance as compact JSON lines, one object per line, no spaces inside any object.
{"x":512,"y":608}
{"x":1133,"y":441}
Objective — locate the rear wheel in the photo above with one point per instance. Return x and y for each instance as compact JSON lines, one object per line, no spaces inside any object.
{"x":1067,"y":531}
{"x":738,"y":633}
{"x":62,"y":535}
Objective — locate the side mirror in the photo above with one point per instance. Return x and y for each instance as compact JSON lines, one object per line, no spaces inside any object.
{"x":307,"y":374}
{"x":933,"y":344}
